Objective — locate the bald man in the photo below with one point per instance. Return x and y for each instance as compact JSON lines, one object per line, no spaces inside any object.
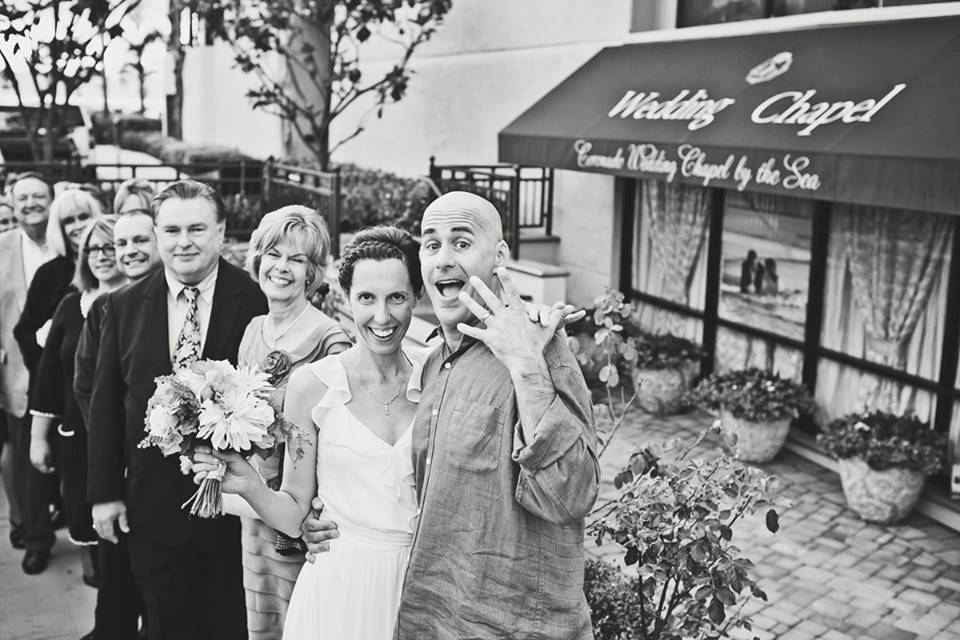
{"x":504,"y":451}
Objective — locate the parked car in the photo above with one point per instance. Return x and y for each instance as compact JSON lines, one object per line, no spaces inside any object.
{"x":75,"y":143}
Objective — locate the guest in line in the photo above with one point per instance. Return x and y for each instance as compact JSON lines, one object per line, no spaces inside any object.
{"x":198,"y":306}
{"x":288,"y":252}
{"x":54,"y":403}
{"x":22,"y":252}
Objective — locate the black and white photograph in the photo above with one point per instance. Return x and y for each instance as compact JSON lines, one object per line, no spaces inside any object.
{"x":487,"y":319}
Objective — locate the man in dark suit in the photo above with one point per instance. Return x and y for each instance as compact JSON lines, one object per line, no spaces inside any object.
{"x":197,"y":306}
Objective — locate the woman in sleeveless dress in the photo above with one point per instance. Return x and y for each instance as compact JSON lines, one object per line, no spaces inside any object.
{"x":287,"y":254}
{"x":355,"y":411}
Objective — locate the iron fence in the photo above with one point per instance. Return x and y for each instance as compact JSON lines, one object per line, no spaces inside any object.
{"x":249,"y":188}
{"x":285,"y":184}
{"x":523,"y":195}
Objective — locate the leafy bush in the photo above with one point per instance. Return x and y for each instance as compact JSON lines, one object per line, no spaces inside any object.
{"x":371,"y":197}
{"x":885,"y":441}
{"x":753,"y":394}
{"x":674,"y":520}
{"x":172,"y":151}
{"x":614,"y":601}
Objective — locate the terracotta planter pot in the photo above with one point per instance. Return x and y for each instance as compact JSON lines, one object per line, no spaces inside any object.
{"x":754,"y":441}
{"x":880,"y":496}
{"x":662,"y":389}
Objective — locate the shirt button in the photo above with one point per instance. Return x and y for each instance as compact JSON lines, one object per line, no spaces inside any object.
{"x":418,"y":511}
{"x":435,"y":412}
{"x":428,"y":459}
{"x":446,"y":365}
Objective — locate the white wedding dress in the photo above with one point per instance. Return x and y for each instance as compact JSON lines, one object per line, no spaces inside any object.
{"x":352,"y":592}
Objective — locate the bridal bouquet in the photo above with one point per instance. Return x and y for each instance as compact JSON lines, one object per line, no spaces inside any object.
{"x":214,"y":404}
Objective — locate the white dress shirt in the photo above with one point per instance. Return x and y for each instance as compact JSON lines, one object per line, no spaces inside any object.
{"x":177,"y":306}
{"x":34,"y":255}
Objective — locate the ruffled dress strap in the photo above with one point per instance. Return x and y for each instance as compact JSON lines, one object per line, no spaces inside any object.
{"x":331,"y":373}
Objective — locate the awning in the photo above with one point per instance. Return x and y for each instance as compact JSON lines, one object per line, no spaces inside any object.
{"x":863,"y":113}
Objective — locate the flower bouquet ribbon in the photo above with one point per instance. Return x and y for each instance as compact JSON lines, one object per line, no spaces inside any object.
{"x":214,"y":404}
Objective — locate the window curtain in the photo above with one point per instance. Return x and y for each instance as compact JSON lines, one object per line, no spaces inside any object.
{"x":885,"y":294}
{"x":671,"y":251}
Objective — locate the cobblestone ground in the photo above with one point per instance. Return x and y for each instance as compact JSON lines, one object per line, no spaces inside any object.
{"x":827,"y":574}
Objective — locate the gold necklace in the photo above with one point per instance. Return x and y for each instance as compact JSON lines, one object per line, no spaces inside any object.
{"x":385,"y":404}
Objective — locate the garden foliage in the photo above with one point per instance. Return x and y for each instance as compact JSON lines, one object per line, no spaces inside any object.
{"x":885,"y":441}
{"x":753,"y":394}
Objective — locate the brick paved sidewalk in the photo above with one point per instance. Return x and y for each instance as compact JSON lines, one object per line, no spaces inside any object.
{"x":827,"y":574}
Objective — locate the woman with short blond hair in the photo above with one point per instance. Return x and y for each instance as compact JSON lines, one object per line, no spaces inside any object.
{"x":287,"y":255}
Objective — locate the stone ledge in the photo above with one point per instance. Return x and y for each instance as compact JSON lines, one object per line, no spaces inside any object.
{"x":537,"y":269}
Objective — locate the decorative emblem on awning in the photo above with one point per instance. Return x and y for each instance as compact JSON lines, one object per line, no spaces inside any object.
{"x":771,"y":68}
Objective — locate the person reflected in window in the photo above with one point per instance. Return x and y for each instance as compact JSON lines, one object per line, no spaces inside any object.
{"x":747,"y":267}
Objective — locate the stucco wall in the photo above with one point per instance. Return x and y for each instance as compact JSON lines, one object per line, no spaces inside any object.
{"x":584,"y":221}
{"x":216,"y":109}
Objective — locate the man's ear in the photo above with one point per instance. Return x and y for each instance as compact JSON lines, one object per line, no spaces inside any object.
{"x":222,"y":228}
{"x":503,"y":253}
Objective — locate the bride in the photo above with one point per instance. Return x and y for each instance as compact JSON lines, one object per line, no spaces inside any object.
{"x":355,"y":409}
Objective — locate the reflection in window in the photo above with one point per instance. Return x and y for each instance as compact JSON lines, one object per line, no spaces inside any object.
{"x":766,"y":262}
{"x":886,"y":291}
{"x":670,"y":245}
{"x":737,"y":350}
{"x":842,"y":390}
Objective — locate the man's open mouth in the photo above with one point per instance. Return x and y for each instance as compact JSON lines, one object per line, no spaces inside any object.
{"x":449,"y":287}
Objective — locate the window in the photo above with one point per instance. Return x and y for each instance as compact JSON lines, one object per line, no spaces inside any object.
{"x":766,"y":262}
{"x":885,"y":293}
{"x":739,"y":350}
{"x":843,"y":389}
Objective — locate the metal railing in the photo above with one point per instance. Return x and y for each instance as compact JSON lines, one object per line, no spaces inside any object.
{"x":523,"y":195}
{"x":285,"y":184}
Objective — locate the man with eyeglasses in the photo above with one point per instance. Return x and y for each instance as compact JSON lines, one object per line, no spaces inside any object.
{"x":22,"y":251}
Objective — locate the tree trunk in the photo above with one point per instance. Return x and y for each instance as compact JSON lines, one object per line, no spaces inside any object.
{"x":315,"y":140}
{"x":142,"y":87}
{"x":50,"y":134}
{"x":176,"y":51}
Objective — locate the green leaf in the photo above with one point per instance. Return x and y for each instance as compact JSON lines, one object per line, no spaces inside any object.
{"x":773,"y":521}
{"x":715,"y":611}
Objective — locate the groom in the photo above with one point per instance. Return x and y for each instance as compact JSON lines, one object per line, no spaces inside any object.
{"x":504,"y":451}
{"x":197,"y":306}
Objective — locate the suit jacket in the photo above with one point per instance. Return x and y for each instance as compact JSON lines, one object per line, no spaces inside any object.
{"x":85,"y":362}
{"x":14,"y":379}
{"x":133,"y":351}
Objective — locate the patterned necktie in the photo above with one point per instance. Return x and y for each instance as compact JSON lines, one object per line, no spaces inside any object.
{"x":188,"y":342}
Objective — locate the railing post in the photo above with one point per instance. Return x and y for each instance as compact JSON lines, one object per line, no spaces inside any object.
{"x":335,"y":215}
{"x":548,"y":207}
{"x":434,"y":173}
{"x":267,"y":195}
{"x":514,"y":219}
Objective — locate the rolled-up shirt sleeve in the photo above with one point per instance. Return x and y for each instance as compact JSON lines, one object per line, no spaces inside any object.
{"x":559,"y":474}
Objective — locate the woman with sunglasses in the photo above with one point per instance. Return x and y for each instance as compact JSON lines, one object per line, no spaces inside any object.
{"x":54,"y":403}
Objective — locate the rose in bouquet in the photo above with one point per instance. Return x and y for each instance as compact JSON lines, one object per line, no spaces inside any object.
{"x":216,"y":405}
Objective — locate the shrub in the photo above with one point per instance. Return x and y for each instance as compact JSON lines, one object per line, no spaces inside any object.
{"x":371,"y":197}
{"x":172,"y":151}
{"x":885,"y":441}
{"x":614,"y":601}
{"x":753,"y":394}
{"x":674,"y":520}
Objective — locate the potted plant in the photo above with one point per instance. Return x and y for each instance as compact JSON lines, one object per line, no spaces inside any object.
{"x":665,"y":369}
{"x":884,"y":460}
{"x":755,"y":409}
{"x":662,"y":367}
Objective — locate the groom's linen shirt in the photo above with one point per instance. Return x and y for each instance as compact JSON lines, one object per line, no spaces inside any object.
{"x":499,"y":549}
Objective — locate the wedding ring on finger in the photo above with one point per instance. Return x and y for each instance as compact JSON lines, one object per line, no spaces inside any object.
{"x":485,"y":316}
